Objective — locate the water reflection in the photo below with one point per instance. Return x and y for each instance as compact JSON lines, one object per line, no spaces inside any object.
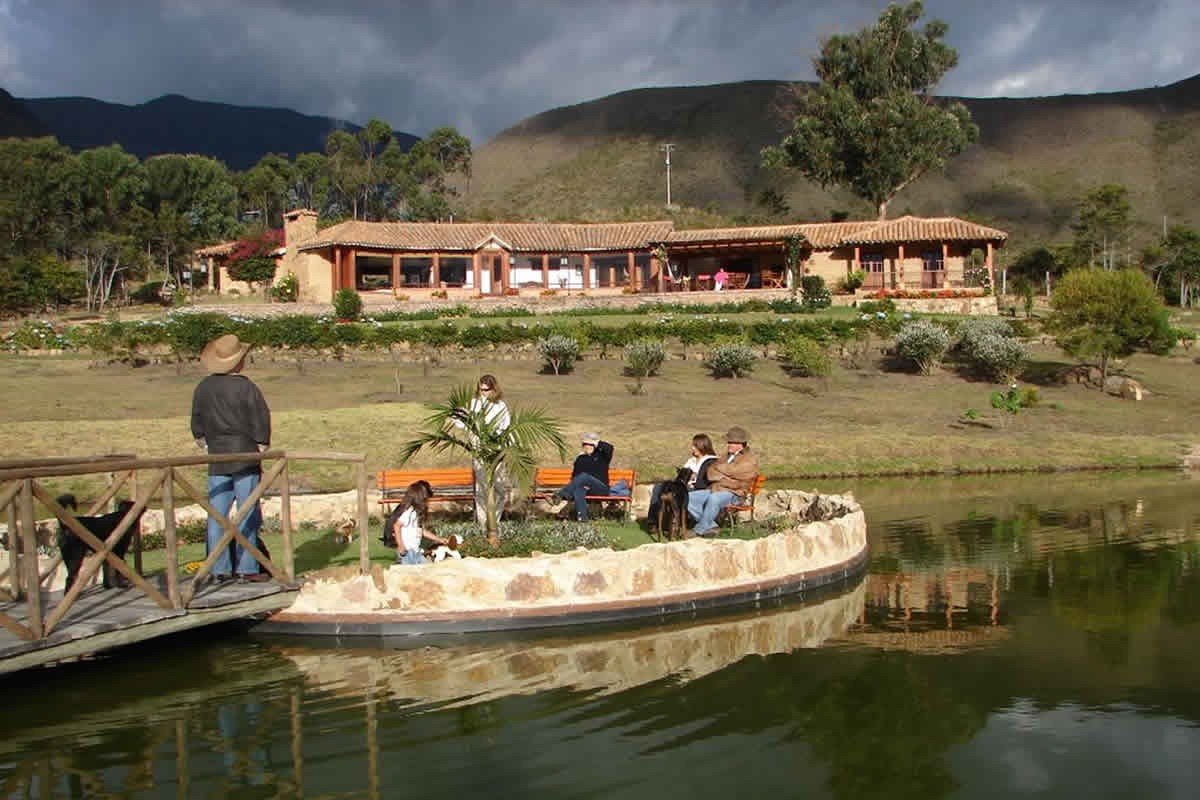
{"x":1013,"y":636}
{"x":615,"y":662}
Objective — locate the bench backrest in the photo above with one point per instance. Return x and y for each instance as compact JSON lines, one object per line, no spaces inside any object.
{"x":393,"y":482}
{"x":557,"y":477}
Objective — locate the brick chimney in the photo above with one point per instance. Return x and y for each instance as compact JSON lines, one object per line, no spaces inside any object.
{"x":299,"y":225}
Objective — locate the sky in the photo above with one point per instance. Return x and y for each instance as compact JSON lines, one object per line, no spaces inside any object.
{"x":483,"y":65}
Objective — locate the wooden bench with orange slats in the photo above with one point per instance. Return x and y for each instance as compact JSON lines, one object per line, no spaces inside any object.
{"x":548,"y":480}
{"x":732,"y":510}
{"x":450,"y":485}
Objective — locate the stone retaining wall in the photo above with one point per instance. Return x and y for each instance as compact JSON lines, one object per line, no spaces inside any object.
{"x":586,"y":585}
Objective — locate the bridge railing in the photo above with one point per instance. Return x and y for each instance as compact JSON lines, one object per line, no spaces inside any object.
{"x":22,"y":484}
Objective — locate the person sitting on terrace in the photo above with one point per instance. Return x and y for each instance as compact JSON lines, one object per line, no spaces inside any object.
{"x":729,"y":478}
{"x":589,"y":474}
{"x":720,"y":279}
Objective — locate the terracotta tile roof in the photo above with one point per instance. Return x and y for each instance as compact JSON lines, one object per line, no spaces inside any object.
{"x":828,"y":235}
{"x":925,"y":229}
{"x":219,"y":249}
{"x":469,"y":236}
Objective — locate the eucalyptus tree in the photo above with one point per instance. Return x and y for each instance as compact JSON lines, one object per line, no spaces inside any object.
{"x":111,"y":186}
{"x":460,"y":425}
{"x":871,"y":123}
{"x":265,"y":188}
{"x":190,"y":200}
{"x":1103,"y":225}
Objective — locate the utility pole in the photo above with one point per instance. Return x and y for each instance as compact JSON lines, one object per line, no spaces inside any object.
{"x":667,"y":148}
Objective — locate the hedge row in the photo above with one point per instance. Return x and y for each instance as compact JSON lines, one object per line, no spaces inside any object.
{"x":185,"y":333}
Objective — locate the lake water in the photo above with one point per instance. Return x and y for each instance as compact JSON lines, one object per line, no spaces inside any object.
{"x":1016,"y":636}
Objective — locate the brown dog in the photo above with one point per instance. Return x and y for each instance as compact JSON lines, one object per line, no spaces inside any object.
{"x":672,"y":506}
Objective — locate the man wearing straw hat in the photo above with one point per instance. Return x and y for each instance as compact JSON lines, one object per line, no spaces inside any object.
{"x":229,"y":415}
{"x":729,"y":478}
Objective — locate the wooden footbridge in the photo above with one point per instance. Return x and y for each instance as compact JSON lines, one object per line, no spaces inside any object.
{"x":39,"y":627}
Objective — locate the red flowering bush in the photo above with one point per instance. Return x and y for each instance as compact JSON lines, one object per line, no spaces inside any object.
{"x":252,"y":261}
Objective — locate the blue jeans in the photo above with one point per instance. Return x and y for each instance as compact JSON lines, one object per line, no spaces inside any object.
{"x":705,"y":506}
{"x":222,"y":489}
{"x":579,"y":488}
{"x":411,"y":557}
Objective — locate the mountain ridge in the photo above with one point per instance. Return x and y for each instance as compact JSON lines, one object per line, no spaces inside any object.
{"x":173,"y":123}
{"x":1036,"y":156}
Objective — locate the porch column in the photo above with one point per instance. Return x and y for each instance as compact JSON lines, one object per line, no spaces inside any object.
{"x":991,"y":266}
{"x":656,"y":267}
{"x":395,"y":274}
{"x":505,"y":271}
{"x":857,"y":258}
{"x":946,"y":264}
{"x":545,"y":270}
{"x":210,"y":269}
{"x":337,"y":269}
{"x":475,"y":273}
{"x":634,"y":278}
{"x":587,"y":271}
{"x":348,"y":269}
{"x":435,"y":271}
{"x":901,"y":265}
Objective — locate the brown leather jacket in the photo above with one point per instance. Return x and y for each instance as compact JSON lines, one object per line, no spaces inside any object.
{"x":735,"y":476}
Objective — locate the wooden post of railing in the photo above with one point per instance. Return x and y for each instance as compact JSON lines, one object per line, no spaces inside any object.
{"x":364,"y":544}
{"x":285,"y":522}
{"x":137,"y":527}
{"x":14,"y":552}
{"x":171,"y":535}
{"x":30,"y":559}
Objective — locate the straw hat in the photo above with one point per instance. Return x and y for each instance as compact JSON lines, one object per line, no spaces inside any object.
{"x":223,"y":354}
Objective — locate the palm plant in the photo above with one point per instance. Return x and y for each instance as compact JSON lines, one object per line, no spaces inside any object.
{"x":458,"y":424}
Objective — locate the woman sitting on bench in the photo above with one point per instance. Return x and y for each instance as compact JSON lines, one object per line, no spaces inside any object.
{"x":589,"y":475}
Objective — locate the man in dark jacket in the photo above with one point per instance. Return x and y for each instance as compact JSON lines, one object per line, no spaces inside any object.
{"x":229,"y":415}
{"x":589,"y":475}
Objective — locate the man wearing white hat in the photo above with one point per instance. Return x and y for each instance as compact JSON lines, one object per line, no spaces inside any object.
{"x":229,"y":415}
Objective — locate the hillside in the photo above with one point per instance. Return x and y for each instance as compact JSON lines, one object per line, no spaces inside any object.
{"x":236,"y":135}
{"x":1036,"y":156}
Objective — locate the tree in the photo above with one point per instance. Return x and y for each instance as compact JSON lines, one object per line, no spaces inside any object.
{"x":453,"y":426}
{"x":1108,"y":314}
{"x":265,"y":188}
{"x":1103,"y":225}
{"x":871,"y":123}
{"x":1181,"y":257}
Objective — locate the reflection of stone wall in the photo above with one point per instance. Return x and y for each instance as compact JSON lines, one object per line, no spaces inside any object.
{"x":583,"y":581}
{"x":606,"y":664}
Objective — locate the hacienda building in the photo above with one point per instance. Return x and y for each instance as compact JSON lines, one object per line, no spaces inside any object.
{"x":477,"y":259}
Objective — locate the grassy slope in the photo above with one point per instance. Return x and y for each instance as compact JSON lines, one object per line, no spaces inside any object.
{"x":599,"y":160}
{"x":855,"y":422}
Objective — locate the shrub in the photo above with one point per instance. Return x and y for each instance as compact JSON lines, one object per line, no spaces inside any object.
{"x":1001,"y":357}
{"x":286,"y":289}
{"x":805,"y":357}
{"x":730,"y":360}
{"x":971,"y":330}
{"x":560,"y":352}
{"x":347,"y":304}
{"x":252,"y":261}
{"x":854,"y":281}
{"x":524,"y":537}
{"x":815,"y":294}
{"x":644,"y":358}
{"x":886,"y":305}
{"x":923,"y":343}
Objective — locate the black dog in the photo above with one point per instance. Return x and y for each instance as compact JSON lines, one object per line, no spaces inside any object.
{"x":672,"y":506}
{"x":74,"y":549}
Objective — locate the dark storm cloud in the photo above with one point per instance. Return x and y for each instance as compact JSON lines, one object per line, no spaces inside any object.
{"x":482,"y":66}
